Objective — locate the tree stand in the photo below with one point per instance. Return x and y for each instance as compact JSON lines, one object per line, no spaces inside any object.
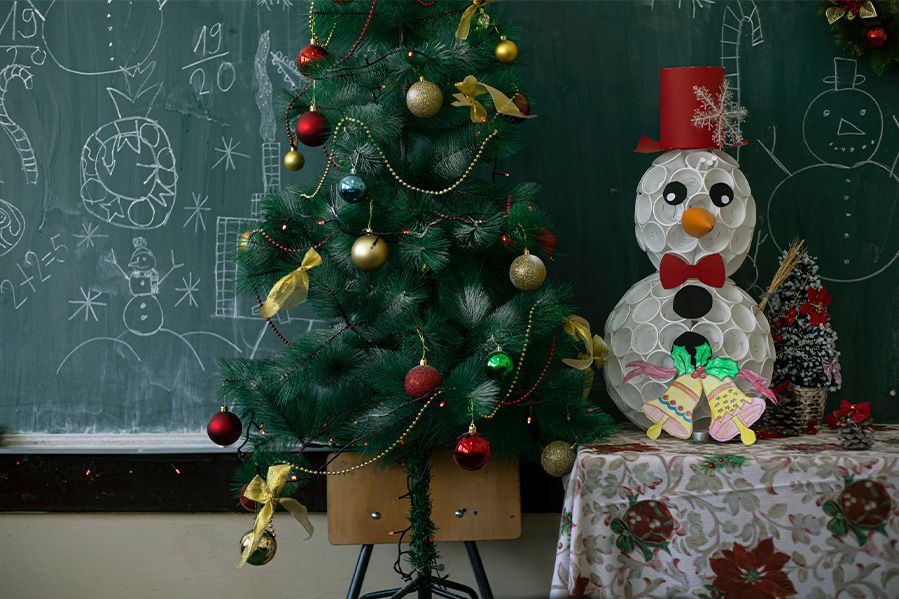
{"x":373,"y":505}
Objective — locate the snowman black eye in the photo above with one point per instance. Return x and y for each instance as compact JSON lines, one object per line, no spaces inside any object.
{"x":675,"y":193}
{"x":826,"y":113}
{"x":721,"y":194}
{"x":862,"y":112}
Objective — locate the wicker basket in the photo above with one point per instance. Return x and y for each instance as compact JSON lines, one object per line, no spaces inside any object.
{"x":812,"y":400}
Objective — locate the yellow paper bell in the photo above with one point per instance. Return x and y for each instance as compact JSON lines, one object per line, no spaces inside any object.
{"x":467,"y":15}
{"x":470,"y":88}
{"x":291,"y":290}
{"x":267,"y":493}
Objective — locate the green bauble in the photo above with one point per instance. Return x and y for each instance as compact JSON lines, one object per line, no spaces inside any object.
{"x":499,"y":365}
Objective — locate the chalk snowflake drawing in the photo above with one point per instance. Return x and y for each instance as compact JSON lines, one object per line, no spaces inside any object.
{"x":12,"y":227}
{"x":90,"y":233}
{"x":195,"y":212}
{"x":16,"y":134}
{"x":86,"y":304}
{"x":128,"y":171}
{"x":228,"y":152}
{"x":188,"y":289}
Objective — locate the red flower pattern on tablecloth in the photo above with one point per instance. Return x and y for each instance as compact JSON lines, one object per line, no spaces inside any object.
{"x":756,"y":573}
{"x":816,"y":306}
{"x":619,"y":447}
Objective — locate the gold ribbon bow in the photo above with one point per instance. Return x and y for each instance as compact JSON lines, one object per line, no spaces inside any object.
{"x":266,"y":492}
{"x":467,"y":16}
{"x":471,"y":88}
{"x":864,"y":9}
{"x":595,"y":349}
{"x":291,"y":290}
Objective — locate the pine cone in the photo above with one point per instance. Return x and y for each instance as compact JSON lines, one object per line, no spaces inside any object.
{"x":786,"y":417}
{"x":856,"y":435}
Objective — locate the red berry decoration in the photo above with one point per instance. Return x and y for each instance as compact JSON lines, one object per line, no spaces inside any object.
{"x":875,"y":36}
{"x":522,"y":104}
{"x":790,"y":321}
{"x":778,"y":324}
{"x":793,"y":312}
{"x":472,"y":451}
{"x":224,"y":427}
{"x":422,"y":380}
{"x":309,"y":56}
{"x":312,"y":128}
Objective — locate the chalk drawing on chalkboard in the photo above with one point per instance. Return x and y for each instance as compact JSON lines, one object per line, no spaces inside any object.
{"x":35,"y":271}
{"x":12,"y":227}
{"x":693,"y":4}
{"x":189,"y":288}
{"x":842,"y":129}
{"x":16,"y":134}
{"x":90,"y":233}
{"x":288,"y":70}
{"x":112,"y":35}
{"x":211,"y":68}
{"x":228,"y":152}
{"x":737,"y":14}
{"x":195,"y":212}
{"x":268,"y":4}
{"x":19,"y":32}
{"x":87,"y":304}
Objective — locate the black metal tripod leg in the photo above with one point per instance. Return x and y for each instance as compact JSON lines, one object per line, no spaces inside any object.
{"x":477,"y":566}
{"x":445,"y":583}
{"x":359,"y":574}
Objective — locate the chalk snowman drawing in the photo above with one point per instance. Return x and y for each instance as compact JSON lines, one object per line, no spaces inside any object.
{"x":143,"y":315}
{"x":842,"y":129}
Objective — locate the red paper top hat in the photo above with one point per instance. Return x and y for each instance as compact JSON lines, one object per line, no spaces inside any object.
{"x":686,"y":120}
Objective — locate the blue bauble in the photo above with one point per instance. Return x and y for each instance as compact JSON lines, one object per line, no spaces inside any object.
{"x":352,"y":189}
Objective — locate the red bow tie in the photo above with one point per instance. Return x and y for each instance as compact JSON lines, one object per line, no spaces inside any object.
{"x":673,"y":271}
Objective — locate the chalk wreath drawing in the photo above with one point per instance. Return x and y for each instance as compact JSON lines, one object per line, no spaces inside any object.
{"x":16,"y":134}
{"x":12,"y":226}
{"x":128,"y":171}
{"x":111,"y":35}
{"x":738,"y":14}
{"x":19,"y":32}
{"x":143,"y":315}
{"x":842,"y":129}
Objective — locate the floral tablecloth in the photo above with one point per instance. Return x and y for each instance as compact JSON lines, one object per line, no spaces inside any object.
{"x":795,"y":517}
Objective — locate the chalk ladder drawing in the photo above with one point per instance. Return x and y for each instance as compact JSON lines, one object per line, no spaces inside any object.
{"x":16,"y":134}
{"x":842,"y":129}
{"x":128,"y":171}
{"x":12,"y":227}
{"x":19,"y":32}
{"x":737,"y":15}
{"x":143,"y":315}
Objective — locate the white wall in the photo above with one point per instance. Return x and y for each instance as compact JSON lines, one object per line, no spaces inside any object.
{"x":193,"y":556}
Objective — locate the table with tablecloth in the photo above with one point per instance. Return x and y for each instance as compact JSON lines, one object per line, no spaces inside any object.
{"x":788,"y":517}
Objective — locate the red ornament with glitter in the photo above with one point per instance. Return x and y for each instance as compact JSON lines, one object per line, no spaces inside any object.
{"x":310,"y":56}
{"x":312,"y":128}
{"x":876,"y":36}
{"x":422,"y":380}
{"x":472,"y":451}
{"x":224,"y":427}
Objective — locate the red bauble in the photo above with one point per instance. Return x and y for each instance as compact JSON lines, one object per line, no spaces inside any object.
{"x":875,"y":36}
{"x":546,"y":239}
{"x":224,"y":427}
{"x":422,"y":380}
{"x":245,"y":502}
{"x":522,"y":104}
{"x":309,"y":57}
{"x":472,"y":451}
{"x":312,"y":128}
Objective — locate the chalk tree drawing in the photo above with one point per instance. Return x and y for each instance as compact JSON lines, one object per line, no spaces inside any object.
{"x":12,"y":226}
{"x":737,"y":15}
{"x":16,"y":134}
{"x":211,"y":70}
{"x":287,"y":68}
{"x":128,"y":171}
{"x":111,"y":35}
{"x":19,"y":32}
{"x":842,"y":129}
{"x":143,"y":315}
{"x":90,"y":233}
{"x":87,"y":304}
{"x":195,"y":212}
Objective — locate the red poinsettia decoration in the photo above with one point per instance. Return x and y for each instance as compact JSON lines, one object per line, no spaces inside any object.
{"x":757,"y":573}
{"x":856,"y":412}
{"x":816,"y":306}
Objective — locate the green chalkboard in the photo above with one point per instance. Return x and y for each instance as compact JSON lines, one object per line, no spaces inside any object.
{"x":141,"y":135}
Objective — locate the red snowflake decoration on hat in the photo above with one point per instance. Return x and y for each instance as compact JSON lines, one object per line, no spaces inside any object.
{"x":816,"y":306}
{"x":720,"y":114}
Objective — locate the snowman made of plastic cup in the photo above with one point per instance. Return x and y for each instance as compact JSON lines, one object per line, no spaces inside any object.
{"x":687,"y":345}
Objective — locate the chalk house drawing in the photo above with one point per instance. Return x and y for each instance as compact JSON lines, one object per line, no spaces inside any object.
{"x":12,"y":226}
{"x":128,"y":171}
{"x":16,"y":134}
{"x":143,"y":315}
{"x":20,"y":31}
{"x":842,"y":129}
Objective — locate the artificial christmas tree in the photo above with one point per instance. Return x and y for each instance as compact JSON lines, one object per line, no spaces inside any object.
{"x":411,"y":262}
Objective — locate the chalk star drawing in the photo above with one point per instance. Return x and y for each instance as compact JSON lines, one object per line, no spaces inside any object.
{"x":90,"y":234}
{"x":190,"y":287}
{"x":87,"y":304}
{"x":228,"y":152}
{"x":196,"y":212}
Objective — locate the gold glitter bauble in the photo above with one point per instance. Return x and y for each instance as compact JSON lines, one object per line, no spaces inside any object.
{"x":424,"y":99}
{"x":369,"y":252}
{"x":243,"y":241}
{"x":506,"y":51}
{"x":293,"y":160}
{"x":264,"y":552}
{"x":557,"y":458}
{"x":527,"y":272}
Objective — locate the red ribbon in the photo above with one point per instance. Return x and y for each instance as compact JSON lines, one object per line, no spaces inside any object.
{"x":674,"y":271}
{"x":857,"y":412}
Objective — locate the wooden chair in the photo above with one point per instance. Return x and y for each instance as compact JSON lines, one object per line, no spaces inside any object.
{"x":366,"y":506}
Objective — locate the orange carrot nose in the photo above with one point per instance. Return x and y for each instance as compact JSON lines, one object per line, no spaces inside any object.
{"x":697,"y":221}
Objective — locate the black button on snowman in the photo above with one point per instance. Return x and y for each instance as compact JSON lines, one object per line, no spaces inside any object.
{"x":688,"y":350}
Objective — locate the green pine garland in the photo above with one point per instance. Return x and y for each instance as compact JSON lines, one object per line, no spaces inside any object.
{"x":850,"y":34}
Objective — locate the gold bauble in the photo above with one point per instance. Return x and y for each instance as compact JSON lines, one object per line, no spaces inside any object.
{"x":264,"y":552}
{"x":369,"y":252}
{"x":506,"y":51}
{"x":557,"y":458}
{"x":527,"y":272}
{"x":424,"y":99}
{"x":243,"y":241}
{"x":293,"y":160}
